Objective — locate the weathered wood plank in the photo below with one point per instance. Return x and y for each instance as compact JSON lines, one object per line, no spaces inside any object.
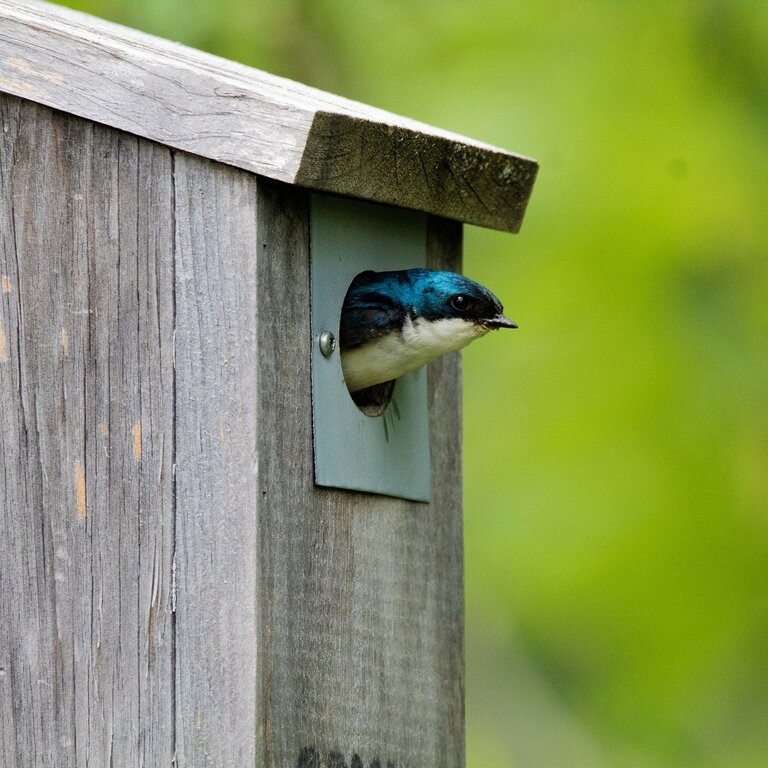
{"x":216,"y":440}
{"x":252,"y":120}
{"x":139,"y":301}
{"x":86,"y":410}
{"x":444,"y":251}
{"x":361,"y":596}
{"x":396,"y":165}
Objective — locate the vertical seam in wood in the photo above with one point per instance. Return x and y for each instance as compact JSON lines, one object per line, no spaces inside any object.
{"x":140,"y":627}
{"x":264,"y":609}
{"x":19,"y":294}
{"x":174,"y":435}
{"x":259,"y":591}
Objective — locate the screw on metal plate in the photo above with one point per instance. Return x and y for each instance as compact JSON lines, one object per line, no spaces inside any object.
{"x":327,"y":343}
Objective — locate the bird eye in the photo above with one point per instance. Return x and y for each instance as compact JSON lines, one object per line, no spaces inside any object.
{"x":460,"y":302}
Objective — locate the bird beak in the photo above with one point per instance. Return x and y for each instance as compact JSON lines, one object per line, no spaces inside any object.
{"x":500,"y":322}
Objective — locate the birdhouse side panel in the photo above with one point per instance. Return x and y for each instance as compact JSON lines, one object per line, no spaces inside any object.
{"x":86,"y":443}
{"x":216,"y":316}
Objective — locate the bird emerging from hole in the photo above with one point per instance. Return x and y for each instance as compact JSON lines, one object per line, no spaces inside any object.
{"x":396,"y":322}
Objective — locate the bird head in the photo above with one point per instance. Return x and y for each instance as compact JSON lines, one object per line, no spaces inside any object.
{"x":437,"y":295}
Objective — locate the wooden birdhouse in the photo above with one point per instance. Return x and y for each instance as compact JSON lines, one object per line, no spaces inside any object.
{"x":209,"y":555}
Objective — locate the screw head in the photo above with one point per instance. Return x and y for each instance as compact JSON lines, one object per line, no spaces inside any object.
{"x":327,"y":343}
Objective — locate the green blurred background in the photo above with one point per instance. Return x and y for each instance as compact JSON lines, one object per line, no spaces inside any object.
{"x":616,"y":470}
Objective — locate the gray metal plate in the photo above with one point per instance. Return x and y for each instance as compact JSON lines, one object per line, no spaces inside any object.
{"x":387,"y":454}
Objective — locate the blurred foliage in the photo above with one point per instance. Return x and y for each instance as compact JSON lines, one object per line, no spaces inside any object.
{"x":616,"y":470}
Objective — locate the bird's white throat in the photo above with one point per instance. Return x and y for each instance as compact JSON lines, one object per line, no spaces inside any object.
{"x":399,"y":352}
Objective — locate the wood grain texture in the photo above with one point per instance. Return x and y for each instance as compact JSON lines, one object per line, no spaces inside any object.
{"x":243,"y":117}
{"x":86,"y":416}
{"x":156,"y":449}
{"x":361,"y":600}
{"x":396,"y":165}
{"x":216,"y":446}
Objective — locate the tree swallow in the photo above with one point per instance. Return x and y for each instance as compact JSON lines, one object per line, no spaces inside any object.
{"x":395,"y":322}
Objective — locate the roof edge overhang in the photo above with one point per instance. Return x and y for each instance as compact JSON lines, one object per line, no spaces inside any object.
{"x":224,"y":111}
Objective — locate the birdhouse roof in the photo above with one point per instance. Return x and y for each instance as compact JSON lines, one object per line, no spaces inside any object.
{"x":244,"y":117}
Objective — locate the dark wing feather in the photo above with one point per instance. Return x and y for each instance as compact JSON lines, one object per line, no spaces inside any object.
{"x":366,"y":314}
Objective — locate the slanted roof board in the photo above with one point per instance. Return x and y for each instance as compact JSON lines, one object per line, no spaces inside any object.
{"x":247,"y":118}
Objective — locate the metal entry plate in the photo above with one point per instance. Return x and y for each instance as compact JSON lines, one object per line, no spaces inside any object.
{"x":387,"y":454}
